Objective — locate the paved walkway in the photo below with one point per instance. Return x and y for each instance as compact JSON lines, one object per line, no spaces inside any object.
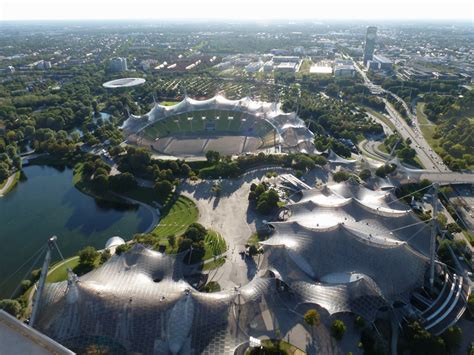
{"x":11,"y":180}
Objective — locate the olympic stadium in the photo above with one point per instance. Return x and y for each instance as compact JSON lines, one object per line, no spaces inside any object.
{"x":342,"y":248}
{"x":231,"y":127}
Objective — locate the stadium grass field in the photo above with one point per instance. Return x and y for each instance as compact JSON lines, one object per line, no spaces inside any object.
{"x":193,"y":122}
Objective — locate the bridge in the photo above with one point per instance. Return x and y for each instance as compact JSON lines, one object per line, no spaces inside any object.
{"x":448,"y":178}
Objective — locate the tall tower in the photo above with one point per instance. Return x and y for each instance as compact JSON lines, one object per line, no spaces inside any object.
{"x":370,"y":37}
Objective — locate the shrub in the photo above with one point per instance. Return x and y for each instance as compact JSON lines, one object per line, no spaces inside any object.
{"x":338,"y":328}
{"x":312,"y":318}
{"x":12,"y":307}
{"x":88,"y":256}
{"x":122,"y":248}
{"x":341,"y":176}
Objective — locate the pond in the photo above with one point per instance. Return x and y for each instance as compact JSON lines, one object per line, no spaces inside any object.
{"x":45,"y":204}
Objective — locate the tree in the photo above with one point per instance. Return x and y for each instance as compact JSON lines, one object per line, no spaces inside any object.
{"x":171,"y":239}
{"x":312,"y":318}
{"x":341,"y":176}
{"x":105,"y":255}
{"x":196,"y":232}
{"x":359,"y":322}
{"x":365,"y":174}
{"x":88,"y":256}
{"x":11,"y":306}
{"x":303,"y":162}
{"x":122,"y":182}
{"x":212,"y":156}
{"x":122,"y":248}
{"x":163,"y":188}
{"x":420,"y":341}
{"x":452,"y":338}
{"x":266,"y":201}
{"x":101,"y":182}
{"x":338,"y":328}
{"x":25,"y":285}
{"x":185,"y":170}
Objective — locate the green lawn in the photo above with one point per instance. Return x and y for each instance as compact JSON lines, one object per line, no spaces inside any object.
{"x":215,"y":245}
{"x":177,"y":218}
{"x":213,"y":264}
{"x":16,"y":179}
{"x":2,"y":183}
{"x":383,"y":148}
{"x":305,"y":66}
{"x":146,"y":195}
{"x":60,"y":274}
{"x":168,"y":103}
{"x":427,"y":128}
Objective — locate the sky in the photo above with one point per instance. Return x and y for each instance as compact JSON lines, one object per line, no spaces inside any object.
{"x":237,"y":9}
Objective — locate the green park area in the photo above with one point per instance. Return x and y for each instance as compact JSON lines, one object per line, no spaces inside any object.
{"x":177,"y":217}
{"x":427,"y":127}
{"x":16,"y":178}
{"x":58,"y":272}
{"x":168,"y":103}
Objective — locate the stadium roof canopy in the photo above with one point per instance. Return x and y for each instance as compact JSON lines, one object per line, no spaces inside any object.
{"x":345,"y":248}
{"x":291,"y":129}
{"x":123,"y":83}
{"x":139,"y":302}
{"x":348,"y":248}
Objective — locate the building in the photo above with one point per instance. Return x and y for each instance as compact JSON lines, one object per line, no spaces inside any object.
{"x":373,"y":65}
{"x":268,"y":66}
{"x":253,"y":67}
{"x":344,"y":248}
{"x":370,"y":37}
{"x":118,"y":64}
{"x":277,"y":51}
{"x":286,"y":59}
{"x":384,"y":62}
{"x":344,"y":68}
{"x":286,"y":67}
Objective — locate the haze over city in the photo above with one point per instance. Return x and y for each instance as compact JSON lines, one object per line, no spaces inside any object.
{"x":237,"y":10}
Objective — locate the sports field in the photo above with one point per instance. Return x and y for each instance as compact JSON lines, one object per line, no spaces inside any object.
{"x":196,"y":132}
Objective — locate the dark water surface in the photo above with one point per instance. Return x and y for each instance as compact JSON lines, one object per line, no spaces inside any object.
{"x":47,"y":204}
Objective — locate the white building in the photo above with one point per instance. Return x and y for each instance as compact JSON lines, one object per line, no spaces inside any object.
{"x":286,"y":67}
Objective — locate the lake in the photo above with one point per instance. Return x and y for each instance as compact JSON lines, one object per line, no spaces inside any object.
{"x":47,"y":204}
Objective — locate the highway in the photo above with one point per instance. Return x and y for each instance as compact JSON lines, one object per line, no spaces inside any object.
{"x":430,"y":160}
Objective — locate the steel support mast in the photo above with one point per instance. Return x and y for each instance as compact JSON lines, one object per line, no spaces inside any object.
{"x":42,"y":280}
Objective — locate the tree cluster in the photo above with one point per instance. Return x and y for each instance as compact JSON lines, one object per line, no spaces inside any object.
{"x":264,"y":198}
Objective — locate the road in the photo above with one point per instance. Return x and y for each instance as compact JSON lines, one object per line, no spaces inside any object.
{"x":445,"y":178}
{"x":430,"y":160}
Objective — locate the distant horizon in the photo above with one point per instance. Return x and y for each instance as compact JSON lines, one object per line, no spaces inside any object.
{"x":244,"y":21}
{"x":237,"y":10}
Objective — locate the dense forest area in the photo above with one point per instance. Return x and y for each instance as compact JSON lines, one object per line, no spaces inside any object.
{"x":454,"y":119}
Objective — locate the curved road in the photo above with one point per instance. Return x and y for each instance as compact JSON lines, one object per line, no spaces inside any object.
{"x":428,"y":157}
